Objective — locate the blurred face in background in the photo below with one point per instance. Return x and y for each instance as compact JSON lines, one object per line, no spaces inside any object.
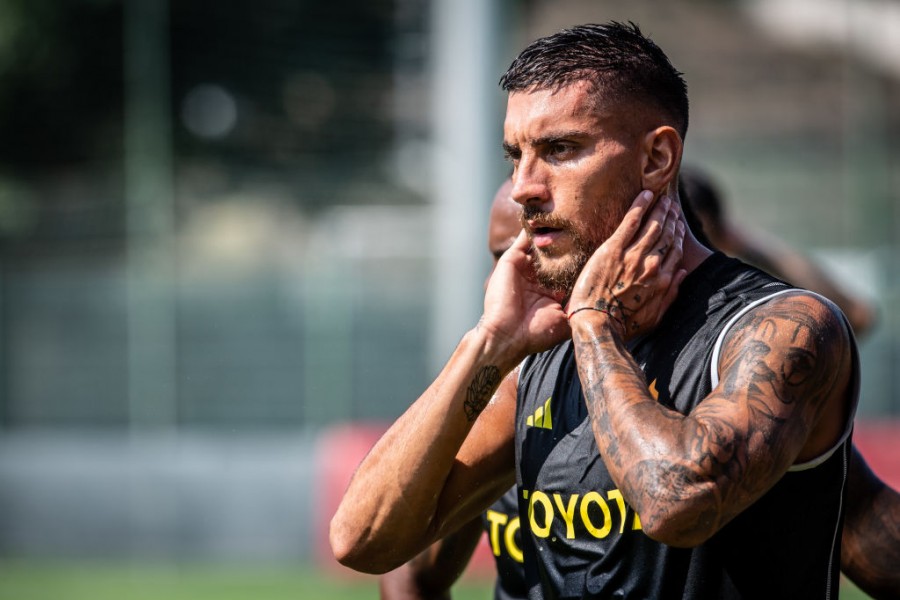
{"x":504,"y":224}
{"x":505,"y":221}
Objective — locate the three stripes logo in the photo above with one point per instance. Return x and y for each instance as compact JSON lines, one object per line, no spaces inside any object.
{"x":541,"y":417}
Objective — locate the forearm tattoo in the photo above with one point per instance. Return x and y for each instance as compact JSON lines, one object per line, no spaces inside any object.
{"x":480,"y":391}
{"x":767,"y":398}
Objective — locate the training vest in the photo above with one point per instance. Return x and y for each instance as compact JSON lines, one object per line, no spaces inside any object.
{"x":580,"y":539}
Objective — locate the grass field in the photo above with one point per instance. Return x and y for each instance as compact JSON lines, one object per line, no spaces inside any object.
{"x":93,"y":581}
{"x":104,"y":581}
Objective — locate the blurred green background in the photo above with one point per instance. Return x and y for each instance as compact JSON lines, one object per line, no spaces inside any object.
{"x":228,"y":229}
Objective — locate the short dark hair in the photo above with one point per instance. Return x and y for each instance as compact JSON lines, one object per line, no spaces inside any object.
{"x":618,"y":59}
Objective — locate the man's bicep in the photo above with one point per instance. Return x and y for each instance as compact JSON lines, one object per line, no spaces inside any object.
{"x":783,"y":375}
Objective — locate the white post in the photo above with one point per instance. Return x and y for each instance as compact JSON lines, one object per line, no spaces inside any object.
{"x":467,"y":128}
{"x":150,"y":217}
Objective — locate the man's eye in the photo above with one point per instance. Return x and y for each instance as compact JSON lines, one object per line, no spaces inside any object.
{"x":558,"y":149}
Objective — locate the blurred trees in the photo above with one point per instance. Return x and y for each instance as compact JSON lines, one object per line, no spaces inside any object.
{"x":292,"y":92}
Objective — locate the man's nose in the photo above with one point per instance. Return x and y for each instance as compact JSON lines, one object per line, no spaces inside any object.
{"x":529,"y":183}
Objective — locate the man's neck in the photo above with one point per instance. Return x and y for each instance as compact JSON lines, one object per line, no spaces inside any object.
{"x":694,"y":253}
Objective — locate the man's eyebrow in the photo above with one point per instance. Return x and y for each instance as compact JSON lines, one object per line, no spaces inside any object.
{"x":550,"y":138}
{"x":555,"y":136}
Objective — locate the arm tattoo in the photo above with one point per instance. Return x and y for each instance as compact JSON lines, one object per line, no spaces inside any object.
{"x":779,"y":365}
{"x":480,"y":391}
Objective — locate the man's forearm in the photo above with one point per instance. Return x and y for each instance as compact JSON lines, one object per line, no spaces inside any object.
{"x":395,"y":504}
{"x":870,"y":551}
{"x":637,"y":436}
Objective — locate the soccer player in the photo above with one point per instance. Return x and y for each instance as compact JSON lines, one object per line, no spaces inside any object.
{"x":683,"y":428}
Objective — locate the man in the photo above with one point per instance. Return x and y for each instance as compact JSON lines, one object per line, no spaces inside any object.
{"x":432,"y":573}
{"x":870,"y":550}
{"x":684,"y":427}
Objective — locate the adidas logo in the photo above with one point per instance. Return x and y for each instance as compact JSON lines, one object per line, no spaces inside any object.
{"x":541,"y":417}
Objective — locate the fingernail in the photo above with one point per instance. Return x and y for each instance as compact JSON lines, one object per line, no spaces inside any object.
{"x":647,"y":195}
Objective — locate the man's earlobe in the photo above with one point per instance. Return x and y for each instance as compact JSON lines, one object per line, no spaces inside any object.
{"x":662,"y":157}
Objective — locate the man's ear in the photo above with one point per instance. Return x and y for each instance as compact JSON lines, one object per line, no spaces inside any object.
{"x":661,"y":159}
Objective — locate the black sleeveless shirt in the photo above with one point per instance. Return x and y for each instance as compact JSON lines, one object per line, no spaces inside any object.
{"x":579,"y":537}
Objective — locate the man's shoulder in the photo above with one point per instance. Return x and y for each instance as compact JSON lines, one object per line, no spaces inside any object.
{"x":804,"y":307}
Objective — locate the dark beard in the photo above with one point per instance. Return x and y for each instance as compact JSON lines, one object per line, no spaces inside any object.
{"x":561,"y":281}
{"x":556,"y":279}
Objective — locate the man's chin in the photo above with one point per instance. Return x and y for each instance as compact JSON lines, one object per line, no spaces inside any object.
{"x":557,"y":279}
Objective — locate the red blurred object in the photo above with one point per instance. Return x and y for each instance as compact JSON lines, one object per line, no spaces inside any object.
{"x":879,"y":443}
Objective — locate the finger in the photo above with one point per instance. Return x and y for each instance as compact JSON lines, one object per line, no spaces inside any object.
{"x":673,"y":255}
{"x":667,"y":240}
{"x":672,"y":264}
{"x":672,"y":292}
{"x":652,"y":236}
{"x":521,"y":244}
{"x":631,"y":223}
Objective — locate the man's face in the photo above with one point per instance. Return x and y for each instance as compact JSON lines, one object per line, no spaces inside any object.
{"x":577,"y":169}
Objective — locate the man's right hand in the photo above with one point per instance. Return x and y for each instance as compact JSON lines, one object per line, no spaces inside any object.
{"x":518,"y":312}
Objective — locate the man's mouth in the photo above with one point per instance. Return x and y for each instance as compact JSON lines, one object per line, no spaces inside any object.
{"x":543,"y":236}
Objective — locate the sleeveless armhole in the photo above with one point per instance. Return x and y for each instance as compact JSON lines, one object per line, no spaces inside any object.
{"x":714,"y":373}
{"x":521,"y":369}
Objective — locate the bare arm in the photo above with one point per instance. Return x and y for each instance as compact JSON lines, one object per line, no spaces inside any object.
{"x":430,"y":575}
{"x":412,"y":488}
{"x":784,"y":373}
{"x":451,"y":453}
{"x":870,"y":546}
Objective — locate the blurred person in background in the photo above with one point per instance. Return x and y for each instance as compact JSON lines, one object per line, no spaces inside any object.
{"x":766,"y":251}
{"x":431,"y":574}
{"x":682,"y":427}
{"x":870,"y":551}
